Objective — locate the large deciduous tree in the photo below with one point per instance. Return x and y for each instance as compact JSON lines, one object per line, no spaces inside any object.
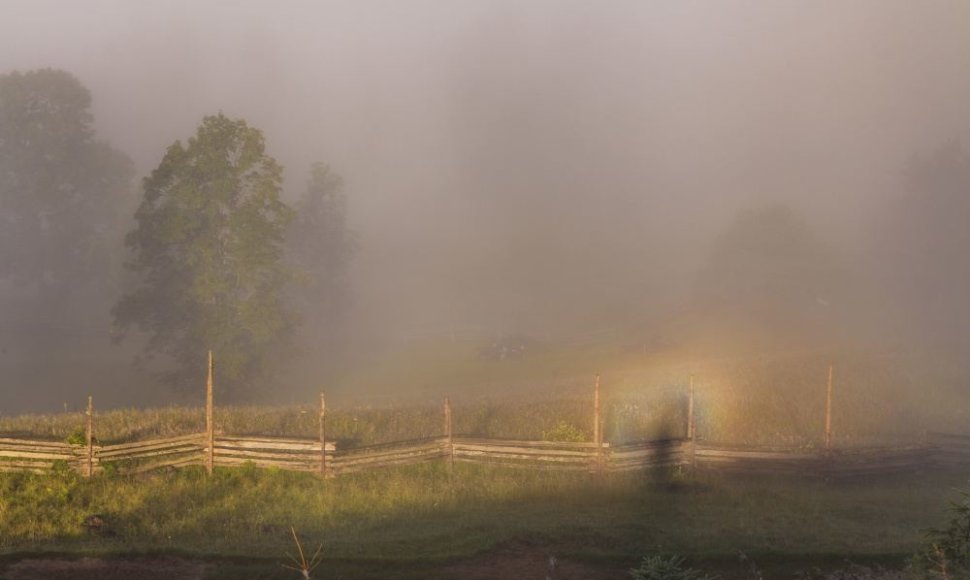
{"x":208,"y":249}
{"x":62,"y":191}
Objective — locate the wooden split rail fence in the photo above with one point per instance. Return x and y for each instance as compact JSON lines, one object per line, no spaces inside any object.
{"x":304,"y":455}
{"x":37,"y":456}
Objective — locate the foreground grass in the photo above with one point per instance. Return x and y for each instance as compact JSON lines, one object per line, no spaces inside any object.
{"x":424,"y":513}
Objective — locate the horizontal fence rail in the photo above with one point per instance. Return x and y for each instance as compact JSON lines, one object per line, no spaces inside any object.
{"x":36,"y":456}
{"x":270,"y":452}
{"x":650,"y":454}
{"x":941,"y":450}
{"x":546,"y":454}
{"x":142,"y":456}
{"x":391,"y":454}
{"x":951,"y":449}
{"x":849,"y":463}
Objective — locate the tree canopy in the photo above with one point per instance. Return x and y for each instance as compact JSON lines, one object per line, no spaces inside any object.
{"x":320,"y":247}
{"x":208,"y":250}
{"x":923,"y":247}
{"x":769,"y":268}
{"x":62,"y":191}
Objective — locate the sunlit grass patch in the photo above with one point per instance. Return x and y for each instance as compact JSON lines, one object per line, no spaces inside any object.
{"x":427,"y":512}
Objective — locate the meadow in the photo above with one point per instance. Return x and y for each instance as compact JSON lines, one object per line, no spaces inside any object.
{"x":770,"y":399}
{"x":426,"y":513}
{"x":419,"y":518}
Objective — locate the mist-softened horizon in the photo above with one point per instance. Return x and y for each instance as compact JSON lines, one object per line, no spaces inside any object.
{"x":550,"y":169}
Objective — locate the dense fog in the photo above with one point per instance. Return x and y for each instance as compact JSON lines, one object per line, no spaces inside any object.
{"x":784,"y":173}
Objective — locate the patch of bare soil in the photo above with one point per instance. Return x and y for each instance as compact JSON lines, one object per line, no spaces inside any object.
{"x":105,"y":569}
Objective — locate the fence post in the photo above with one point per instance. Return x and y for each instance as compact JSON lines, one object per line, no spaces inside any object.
{"x":89,"y":470}
{"x":828,"y":413}
{"x":690,"y":409}
{"x":444,"y":417}
{"x":210,"y":436}
{"x":596,"y":411}
{"x":323,"y":436}
{"x":597,"y":424}
{"x":691,"y":425}
{"x":449,"y":434}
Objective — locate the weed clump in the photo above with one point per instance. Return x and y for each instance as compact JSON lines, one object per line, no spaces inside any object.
{"x":565,"y":432}
{"x":947,"y":553}
{"x":667,"y":567}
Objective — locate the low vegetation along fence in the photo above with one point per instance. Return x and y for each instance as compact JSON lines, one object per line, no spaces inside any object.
{"x":211,"y":449}
{"x":305,"y":455}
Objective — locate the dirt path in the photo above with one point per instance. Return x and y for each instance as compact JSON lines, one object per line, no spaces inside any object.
{"x":527,"y":563}
{"x":524,"y":563}
{"x":105,"y":569}
{"x":503,"y":563}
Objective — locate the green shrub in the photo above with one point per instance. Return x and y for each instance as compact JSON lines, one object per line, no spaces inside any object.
{"x":60,"y":467}
{"x":948,"y":548}
{"x":110,"y":469}
{"x":662,"y":567}
{"x":77,"y":437}
{"x":564,"y":431}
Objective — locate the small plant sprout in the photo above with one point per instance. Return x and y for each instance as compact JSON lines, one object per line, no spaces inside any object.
{"x":302,"y":565}
{"x":664,"y":567}
{"x":939,"y":561}
{"x":552,"y":574}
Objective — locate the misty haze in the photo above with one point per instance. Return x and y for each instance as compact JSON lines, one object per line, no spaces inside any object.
{"x":649,"y":284}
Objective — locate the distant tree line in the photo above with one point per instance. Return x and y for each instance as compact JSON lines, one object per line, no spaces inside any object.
{"x":61,"y":188}
{"x":217,"y":259}
{"x":770,"y":268}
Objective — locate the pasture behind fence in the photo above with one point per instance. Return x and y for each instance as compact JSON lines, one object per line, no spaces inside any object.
{"x":212,"y":449}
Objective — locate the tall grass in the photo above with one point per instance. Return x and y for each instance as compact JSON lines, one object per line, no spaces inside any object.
{"x":776,"y":401}
{"x":429,"y":512}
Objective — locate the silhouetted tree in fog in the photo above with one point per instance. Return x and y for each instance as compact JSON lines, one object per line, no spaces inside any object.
{"x":208,"y":247}
{"x":769,"y":270}
{"x":925,"y":246}
{"x":320,"y":246}
{"x":62,"y":191}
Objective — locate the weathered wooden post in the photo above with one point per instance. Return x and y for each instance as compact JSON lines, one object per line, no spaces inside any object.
{"x":210,"y":436}
{"x":597,"y":424}
{"x":828,"y":413}
{"x":444,"y":417}
{"x":690,"y":409}
{"x":89,"y":469}
{"x":596,"y":411}
{"x":691,"y":425}
{"x":449,"y":434}
{"x":323,"y":436}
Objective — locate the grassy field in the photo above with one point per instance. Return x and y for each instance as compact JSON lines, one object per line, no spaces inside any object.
{"x":425,"y":513}
{"x":754,"y":400}
{"x":418,"y":519}
{"x":772,"y":397}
